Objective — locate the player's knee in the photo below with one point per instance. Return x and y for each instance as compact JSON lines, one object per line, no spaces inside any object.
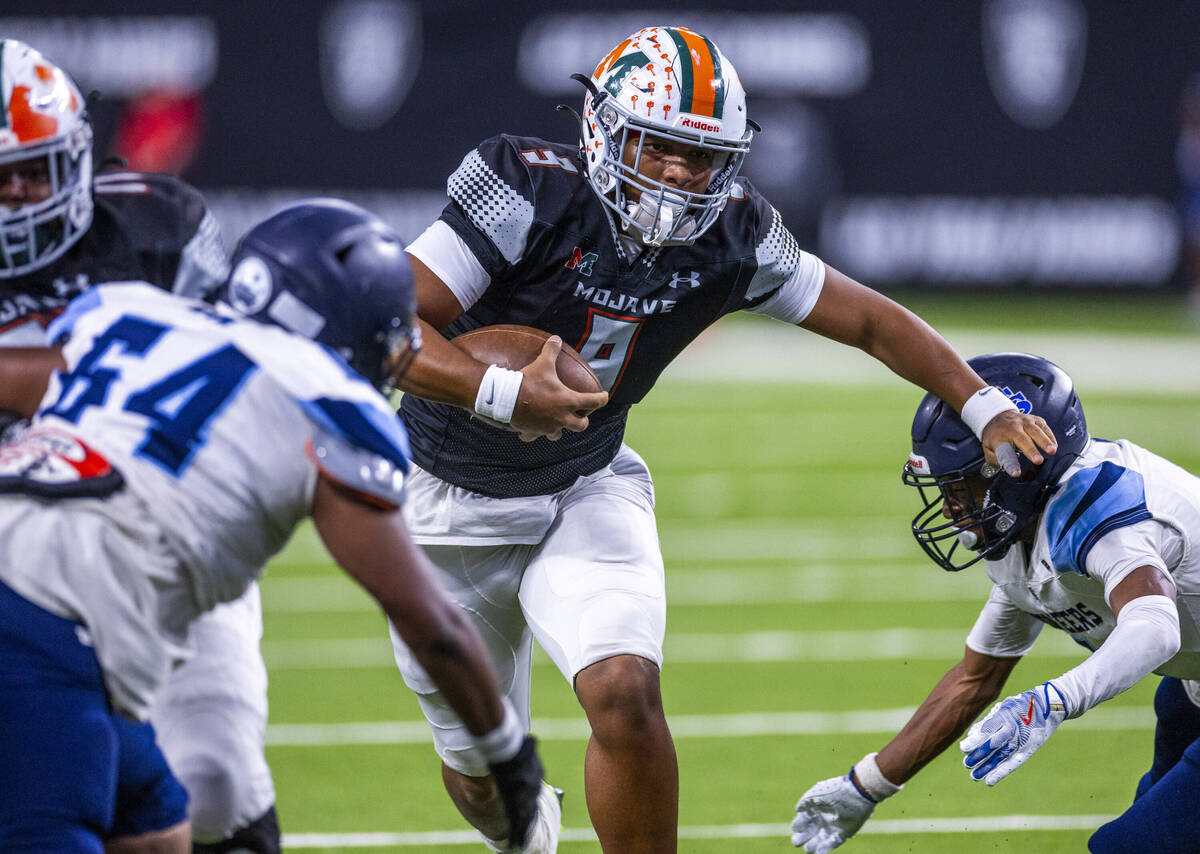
{"x":622,"y":699}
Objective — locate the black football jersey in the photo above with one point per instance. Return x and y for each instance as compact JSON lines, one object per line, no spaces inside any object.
{"x":146,"y":227}
{"x":527,"y":211}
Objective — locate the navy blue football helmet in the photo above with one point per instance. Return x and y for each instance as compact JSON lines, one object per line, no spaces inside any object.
{"x":973,"y":510}
{"x":335,"y":273}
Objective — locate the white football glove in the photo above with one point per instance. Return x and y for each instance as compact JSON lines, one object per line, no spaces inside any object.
{"x":828,"y":814}
{"x":1014,"y":728}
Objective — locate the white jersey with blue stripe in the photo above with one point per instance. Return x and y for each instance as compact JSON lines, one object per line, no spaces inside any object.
{"x":210,"y":420}
{"x":1119,"y":507}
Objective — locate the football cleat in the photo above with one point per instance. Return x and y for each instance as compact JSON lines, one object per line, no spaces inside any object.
{"x":543,"y":836}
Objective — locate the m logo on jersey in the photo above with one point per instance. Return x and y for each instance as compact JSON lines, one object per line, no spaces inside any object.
{"x":1019,"y":400}
{"x":692,"y":280}
{"x":581,"y":262}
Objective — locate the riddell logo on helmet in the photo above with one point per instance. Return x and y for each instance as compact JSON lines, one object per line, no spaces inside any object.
{"x":689,"y":122}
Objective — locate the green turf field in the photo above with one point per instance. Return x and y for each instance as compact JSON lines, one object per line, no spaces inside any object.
{"x":803,"y":623}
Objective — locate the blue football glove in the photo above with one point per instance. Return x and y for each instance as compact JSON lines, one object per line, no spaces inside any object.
{"x":1014,"y":728}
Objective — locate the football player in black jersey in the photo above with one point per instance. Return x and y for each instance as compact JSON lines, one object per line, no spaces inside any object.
{"x":626,"y":246}
{"x":62,"y":230}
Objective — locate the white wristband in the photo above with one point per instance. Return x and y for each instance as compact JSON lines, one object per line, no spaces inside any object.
{"x":871,"y":779}
{"x":497,"y":396}
{"x":502,"y":743}
{"x":983,"y":406}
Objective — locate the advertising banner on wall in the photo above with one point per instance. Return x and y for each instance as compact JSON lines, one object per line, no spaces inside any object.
{"x":992,"y":143}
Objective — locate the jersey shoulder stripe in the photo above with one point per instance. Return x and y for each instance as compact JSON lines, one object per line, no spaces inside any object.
{"x":1090,"y":504}
{"x":778,"y":257}
{"x":492,"y":189}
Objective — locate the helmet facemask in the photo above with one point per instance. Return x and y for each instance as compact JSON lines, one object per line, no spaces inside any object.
{"x":960,"y":522}
{"x":663,"y":215}
{"x":36,"y":234}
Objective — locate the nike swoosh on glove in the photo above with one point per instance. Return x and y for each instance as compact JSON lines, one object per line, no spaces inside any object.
{"x":519,"y":780}
{"x":828,"y":814}
{"x":1012,"y":731}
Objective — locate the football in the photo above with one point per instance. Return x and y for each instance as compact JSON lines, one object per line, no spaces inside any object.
{"x":514,"y":347}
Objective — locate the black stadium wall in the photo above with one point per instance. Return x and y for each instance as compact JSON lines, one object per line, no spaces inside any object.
{"x":991,"y":143}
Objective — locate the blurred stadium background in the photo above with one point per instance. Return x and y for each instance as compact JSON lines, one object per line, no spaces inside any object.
{"x":1017,"y":171}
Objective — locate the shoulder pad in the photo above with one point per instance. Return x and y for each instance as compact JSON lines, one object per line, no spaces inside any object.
{"x":375,"y":479}
{"x":1089,"y":505}
{"x":161,"y":207}
{"x":169,"y":227}
{"x":507,"y":181}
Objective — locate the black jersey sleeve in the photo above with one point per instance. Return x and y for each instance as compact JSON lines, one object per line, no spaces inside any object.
{"x":173,"y":235}
{"x":776,"y":251}
{"x":492,"y":202}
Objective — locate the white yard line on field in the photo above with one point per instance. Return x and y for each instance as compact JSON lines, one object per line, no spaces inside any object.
{"x":1104,"y":718}
{"x":697,"y":647}
{"x":736,"y":583}
{"x":883,"y":827}
{"x":771,"y":351}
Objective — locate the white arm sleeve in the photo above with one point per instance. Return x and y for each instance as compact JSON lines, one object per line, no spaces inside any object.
{"x":795,"y":298}
{"x":1002,"y":629}
{"x":1121,"y":551}
{"x":1146,"y":636}
{"x":445,"y":253}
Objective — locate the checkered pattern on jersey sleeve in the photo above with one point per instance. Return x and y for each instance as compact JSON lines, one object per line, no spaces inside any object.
{"x":494,"y":206}
{"x":778,"y":255}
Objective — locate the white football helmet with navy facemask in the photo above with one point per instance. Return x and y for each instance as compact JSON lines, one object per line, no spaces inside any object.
{"x":43,"y":115}
{"x":671,"y":84}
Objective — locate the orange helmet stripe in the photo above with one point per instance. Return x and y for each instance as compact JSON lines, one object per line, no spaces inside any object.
{"x":703,"y":88}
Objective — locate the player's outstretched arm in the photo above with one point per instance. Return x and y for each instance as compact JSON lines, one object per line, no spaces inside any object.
{"x":853,"y":314}
{"x":374,"y":548}
{"x":833,"y":810}
{"x":1146,"y":636}
{"x":444,"y":373}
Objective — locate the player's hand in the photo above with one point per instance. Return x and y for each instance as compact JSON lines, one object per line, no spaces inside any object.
{"x":545,"y":406}
{"x":1029,"y":434}
{"x":519,"y":780}
{"x":828,"y":814}
{"x":1014,"y":728}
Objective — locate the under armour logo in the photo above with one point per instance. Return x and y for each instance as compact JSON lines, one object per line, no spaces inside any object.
{"x":692,"y":280}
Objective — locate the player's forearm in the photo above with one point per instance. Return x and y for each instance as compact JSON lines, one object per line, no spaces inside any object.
{"x":442,"y":372}
{"x":455,"y":660}
{"x":913,"y":350}
{"x":24,"y":374}
{"x":961,"y":695}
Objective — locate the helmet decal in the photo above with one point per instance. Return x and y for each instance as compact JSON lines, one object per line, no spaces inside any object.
{"x":1019,"y":400}
{"x":250,"y":285}
{"x":703,"y":91}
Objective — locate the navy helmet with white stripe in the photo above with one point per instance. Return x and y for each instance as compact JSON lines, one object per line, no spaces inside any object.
{"x":333,"y":272}
{"x":972,"y":510}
